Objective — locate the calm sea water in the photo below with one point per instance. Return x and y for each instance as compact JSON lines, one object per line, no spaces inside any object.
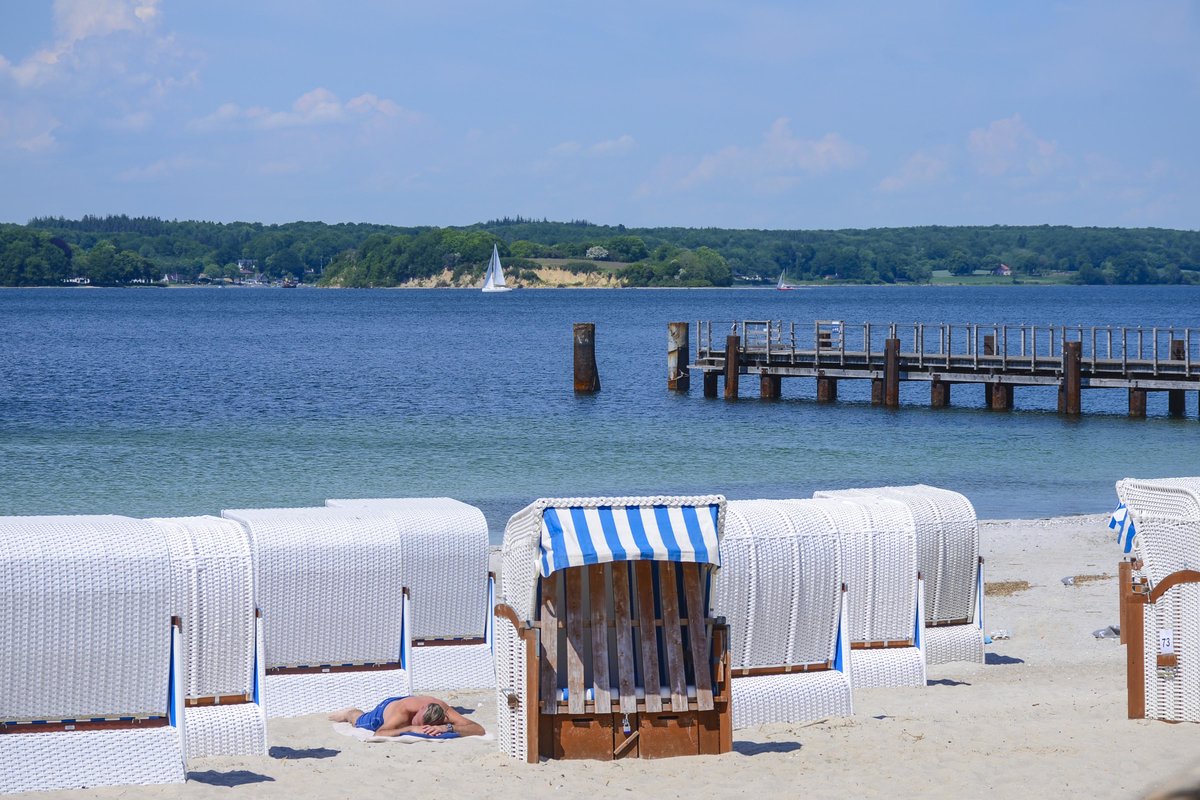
{"x":171,"y":402}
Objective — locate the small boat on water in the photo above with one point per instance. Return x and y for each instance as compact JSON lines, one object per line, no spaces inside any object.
{"x":493,"y":279}
{"x":783,"y":285}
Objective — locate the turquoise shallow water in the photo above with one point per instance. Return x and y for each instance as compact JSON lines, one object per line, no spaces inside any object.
{"x":167,"y":402}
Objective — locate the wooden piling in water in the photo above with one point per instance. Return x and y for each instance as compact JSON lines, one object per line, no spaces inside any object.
{"x":770,"y":386}
{"x":826,"y":389}
{"x":733,"y":343}
{"x":891,"y":373}
{"x":996,"y":395}
{"x":1176,"y":402}
{"x":678,"y":377}
{"x":939,"y":393}
{"x":1137,"y":403}
{"x":1069,"y":388}
{"x":710,"y":383}
{"x":587,"y":377}
{"x":877,"y":393}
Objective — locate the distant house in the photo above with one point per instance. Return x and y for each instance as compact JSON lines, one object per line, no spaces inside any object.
{"x":1004,"y":271}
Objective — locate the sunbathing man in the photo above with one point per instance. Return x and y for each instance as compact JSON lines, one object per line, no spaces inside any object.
{"x":419,"y":714}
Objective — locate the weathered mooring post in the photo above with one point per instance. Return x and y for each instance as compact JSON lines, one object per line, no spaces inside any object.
{"x":587,"y":378}
{"x":997,"y":395}
{"x":733,"y":343}
{"x":939,"y":393}
{"x":770,"y":386}
{"x":826,"y":389}
{"x":1069,"y":389}
{"x":678,"y":377}
{"x":710,"y":383}
{"x":1137,"y":403}
{"x":891,"y":373}
{"x":1176,"y":402}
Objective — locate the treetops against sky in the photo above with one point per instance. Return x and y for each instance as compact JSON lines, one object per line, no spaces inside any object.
{"x":772,"y":115}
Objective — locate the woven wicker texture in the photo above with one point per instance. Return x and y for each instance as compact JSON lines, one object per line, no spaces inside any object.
{"x":85,"y":618}
{"x":82,"y":759}
{"x":947,"y":546}
{"x":790,"y":698}
{"x":444,"y":562}
{"x":1173,"y":694}
{"x":879,"y":561}
{"x":1166,"y":515}
{"x":520,"y":549}
{"x":450,"y":667}
{"x":296,"y":695}
{"x":237,"y":730}
{"x":895,"y":666}
{"x":953,"y":643}
{"x":328,"y":582}
{"x":779,"y":587}
{"x":511,"y":733}
{"x":213,"y":593}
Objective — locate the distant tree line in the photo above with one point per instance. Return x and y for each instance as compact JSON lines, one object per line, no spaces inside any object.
{"x":116,"y":250}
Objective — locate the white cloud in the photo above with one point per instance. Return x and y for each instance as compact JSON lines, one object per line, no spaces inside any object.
{"x":317,"y":107}
{"x":1009,"y":147}
{"x":920,"y":169}
{"x":29,"y":130}
{"x":777,"y":162}
{"x":612,"y":147}
{"x":76,"y":21}
{"x":160,"y":169}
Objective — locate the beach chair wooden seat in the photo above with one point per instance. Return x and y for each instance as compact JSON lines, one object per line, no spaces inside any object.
{"x":222,"y":669}
{"x":89,"y":655}
{"x":604,"y":647}
{"x":450,"y":590}
{"x":329,"y":585}
{"x":949,"y":562}
{"x":781,"y":590}
{"x":1158,"y":525}
{"x":885,"y":592}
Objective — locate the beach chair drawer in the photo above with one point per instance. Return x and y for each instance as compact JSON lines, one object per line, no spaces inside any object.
{"x":602,"y":737}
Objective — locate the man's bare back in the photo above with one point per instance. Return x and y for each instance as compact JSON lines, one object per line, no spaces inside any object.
{"x":418,"y":714}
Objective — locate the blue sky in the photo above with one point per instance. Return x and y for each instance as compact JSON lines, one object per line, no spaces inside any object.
{"x":728,"y":114}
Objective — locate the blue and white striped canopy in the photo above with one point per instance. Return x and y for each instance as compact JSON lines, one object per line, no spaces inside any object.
{"x":572,"y":537}
{"x":1122,"y":523}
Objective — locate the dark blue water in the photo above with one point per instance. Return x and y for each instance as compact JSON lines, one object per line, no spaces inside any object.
{"x":169,"y":402}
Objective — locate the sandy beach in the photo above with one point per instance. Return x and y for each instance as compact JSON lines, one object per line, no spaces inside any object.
{"x":1045,"y":714}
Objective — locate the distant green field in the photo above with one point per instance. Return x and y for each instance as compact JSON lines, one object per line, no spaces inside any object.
{"x":944,"y":278}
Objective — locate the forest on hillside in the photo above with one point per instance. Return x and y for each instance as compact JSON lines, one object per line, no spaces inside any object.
{"x":119,"y":250}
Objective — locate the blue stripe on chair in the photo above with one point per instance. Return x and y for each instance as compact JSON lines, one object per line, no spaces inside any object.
{"x":575,"y":536}
{"x":1122,"y":523}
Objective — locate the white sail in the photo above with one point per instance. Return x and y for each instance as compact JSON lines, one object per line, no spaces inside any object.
{"x":493,"y":280}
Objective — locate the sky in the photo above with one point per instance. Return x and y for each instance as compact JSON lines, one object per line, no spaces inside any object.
{"x":738,"y":114}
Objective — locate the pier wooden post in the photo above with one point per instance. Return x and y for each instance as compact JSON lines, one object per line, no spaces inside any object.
{"x":710,"y":383}
{"x":770,"y":386}
{"x":826,"y":389}
{"x":1137,"y":403}
{"x":1069,"y":389}
{"x":678,"y":377}
{"x":877,"y":393}
{"x":891,"y":373}
{"x":732,"y":343}
{"x":996,"y":395}
{"x":587,"y":378}
{"x":1176,"y":403}
{"x":939,"y":393}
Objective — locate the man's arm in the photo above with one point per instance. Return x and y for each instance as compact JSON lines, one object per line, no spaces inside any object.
{"x":462,"y":725}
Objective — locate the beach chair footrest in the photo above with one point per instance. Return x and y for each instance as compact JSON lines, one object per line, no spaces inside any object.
{"x":605,"y":737}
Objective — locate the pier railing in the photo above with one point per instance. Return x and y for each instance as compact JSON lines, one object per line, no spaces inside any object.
{"x":1172,"y":352}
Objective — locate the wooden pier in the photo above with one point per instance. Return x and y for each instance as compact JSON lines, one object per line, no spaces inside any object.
{"x":998,"y":358}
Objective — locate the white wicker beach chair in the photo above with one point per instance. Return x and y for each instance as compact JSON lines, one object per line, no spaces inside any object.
{"x":445,"y":567}
{"x":1158,"y":524}
{"x":213,"y":595}
{"x":89,"y":655}
{"x":604,"y":648}
{"x":949,"y":562}
{"x":885,"y":590}
{"x":328,"y":583}
{"x":780,"y":588}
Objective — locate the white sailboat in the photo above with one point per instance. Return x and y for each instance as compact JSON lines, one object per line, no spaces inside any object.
{"x":783,"y":285}
{"x":493,"y":280}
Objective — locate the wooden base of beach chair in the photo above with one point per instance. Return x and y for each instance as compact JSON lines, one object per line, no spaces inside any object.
{"x":603,"y":737}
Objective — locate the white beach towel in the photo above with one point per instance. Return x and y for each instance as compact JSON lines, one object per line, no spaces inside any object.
{"x":363,"y":735}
